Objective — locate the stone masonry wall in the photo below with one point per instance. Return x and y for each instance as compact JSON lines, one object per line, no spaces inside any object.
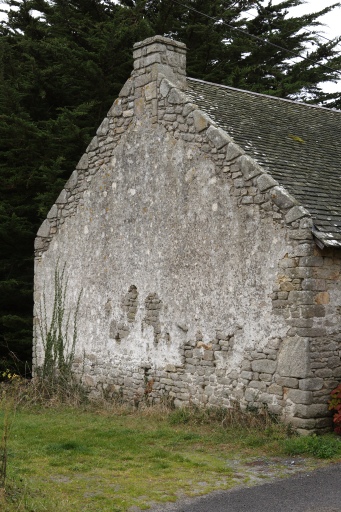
{"x":177,"y":320}
{"x":325,"y":282}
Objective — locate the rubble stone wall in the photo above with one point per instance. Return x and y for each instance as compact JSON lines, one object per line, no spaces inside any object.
{"x":201,"y":282}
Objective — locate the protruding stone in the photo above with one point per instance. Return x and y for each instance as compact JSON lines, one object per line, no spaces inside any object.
{"x":188,"y":108}
{"x":265,"y":181}
{"x":83,"y":163}
{"x":126,"y":89}
{"x":249,"y":167}
{"x":62,"y":198}
{"x":53,"y":212}
{"x":93,"y":145}
{"x":233,"y":151}
{"x":72,"y":181}
{"x":177,"y":97}
{"x":297,"y":212}
{"x":201,"y":120}
{"x":306,"y":223}
{"x":103,"y":128}
{"x":116,"y":109}
{"x":218,"y":137}
{"x":44,"y":230}
{"x":39,"y":243}
{"x":303,"y":426}
{"x":282,"y":198}
{"x":128,"y":113}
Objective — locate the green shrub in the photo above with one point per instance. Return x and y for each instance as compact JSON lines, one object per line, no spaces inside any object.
{"x":322,"y":447}
{"x":59,"y":351}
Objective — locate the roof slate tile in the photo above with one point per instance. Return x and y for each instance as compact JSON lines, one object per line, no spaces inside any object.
{"x":297,"y":144}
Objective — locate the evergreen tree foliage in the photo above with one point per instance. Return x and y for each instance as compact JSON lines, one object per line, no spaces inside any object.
{"x":230,"y":44}
{"x":59,"y":74}
{"x":63,"y":62}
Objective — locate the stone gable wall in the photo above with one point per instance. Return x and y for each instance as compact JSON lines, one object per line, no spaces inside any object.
{"x":291,"y":363}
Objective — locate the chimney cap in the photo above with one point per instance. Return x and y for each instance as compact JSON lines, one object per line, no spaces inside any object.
{"x":159,"y":39}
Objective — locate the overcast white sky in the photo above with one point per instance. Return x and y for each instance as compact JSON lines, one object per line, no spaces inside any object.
{"x":332,"y":20}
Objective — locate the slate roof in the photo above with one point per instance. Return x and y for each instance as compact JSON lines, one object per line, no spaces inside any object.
{"x":298,"y":144}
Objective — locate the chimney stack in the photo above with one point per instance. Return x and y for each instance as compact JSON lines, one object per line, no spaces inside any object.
{"x":161,"y":55}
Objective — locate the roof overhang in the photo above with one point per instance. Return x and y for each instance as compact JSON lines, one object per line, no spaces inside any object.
{"x":324,"y":239}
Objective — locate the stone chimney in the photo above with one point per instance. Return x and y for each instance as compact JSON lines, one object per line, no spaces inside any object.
{"x":161,"y":55}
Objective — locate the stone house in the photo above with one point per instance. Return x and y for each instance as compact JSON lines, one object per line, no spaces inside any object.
{"x":203,"y":226}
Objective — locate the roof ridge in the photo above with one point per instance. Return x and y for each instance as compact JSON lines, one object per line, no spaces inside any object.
{"x":302,"y":104}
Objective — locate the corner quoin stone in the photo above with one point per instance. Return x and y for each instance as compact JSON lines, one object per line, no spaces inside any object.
{"x":293,"y":358}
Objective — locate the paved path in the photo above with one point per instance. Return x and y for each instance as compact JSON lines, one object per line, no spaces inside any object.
{"x":316,"y":491}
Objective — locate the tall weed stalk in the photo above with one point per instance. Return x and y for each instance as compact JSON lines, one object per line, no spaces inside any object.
{"x":3,"y":455}
{"x":59,"y":348}
{"x":7,"y":408}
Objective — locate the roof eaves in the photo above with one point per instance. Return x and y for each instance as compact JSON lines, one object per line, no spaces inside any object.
{"x":324,"y":239}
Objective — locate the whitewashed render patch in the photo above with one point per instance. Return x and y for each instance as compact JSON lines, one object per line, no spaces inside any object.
{"x":201,"y":282}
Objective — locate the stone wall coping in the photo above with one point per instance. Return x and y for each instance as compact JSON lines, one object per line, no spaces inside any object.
{"x":280,"y":197}
{"x":159,"y":39}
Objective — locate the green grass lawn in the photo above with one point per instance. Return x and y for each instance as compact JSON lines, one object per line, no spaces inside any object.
{"x":73,"y":459}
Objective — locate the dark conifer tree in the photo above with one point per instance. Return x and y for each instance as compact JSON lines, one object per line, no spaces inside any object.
{"x":59,"y":74}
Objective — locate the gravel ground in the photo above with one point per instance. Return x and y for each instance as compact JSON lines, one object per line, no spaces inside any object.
{"x":269,"y":485}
